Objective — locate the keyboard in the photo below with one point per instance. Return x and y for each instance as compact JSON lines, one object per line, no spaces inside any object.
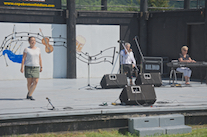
{"x":187,"y":64}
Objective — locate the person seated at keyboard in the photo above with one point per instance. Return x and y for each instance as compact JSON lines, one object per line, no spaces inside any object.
{"x":184,"y":57}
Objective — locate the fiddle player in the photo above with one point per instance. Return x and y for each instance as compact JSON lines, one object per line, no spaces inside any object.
{"x":31,"y":66}
{"x":128,"y":61}
{"x":184,"y":57}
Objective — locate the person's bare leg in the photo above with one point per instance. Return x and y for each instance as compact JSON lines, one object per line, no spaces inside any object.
{"x":131,"y":82}
{"x":29,"y":84}
{"x":186,"y":80}
{"x":34,"y":84}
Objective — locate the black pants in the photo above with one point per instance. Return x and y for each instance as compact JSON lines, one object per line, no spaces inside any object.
{"x":128,"y":68}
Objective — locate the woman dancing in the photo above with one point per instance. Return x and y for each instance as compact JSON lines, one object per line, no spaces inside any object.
{"x":31,"y":66}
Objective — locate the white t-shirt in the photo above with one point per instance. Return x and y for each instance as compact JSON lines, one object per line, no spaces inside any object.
{"x":127,"y":58}
{"x":32,"y":58}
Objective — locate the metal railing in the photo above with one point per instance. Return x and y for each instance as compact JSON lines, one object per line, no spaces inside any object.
{"x":195,"y":4}
{"x":109,"y":7}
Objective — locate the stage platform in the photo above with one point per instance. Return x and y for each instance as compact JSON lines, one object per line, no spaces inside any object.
{"x":78,"y":109}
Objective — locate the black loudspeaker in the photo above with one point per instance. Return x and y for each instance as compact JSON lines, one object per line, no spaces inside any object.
{"x":149,"y":79}
{"x":138,"y":95}
{"x":113,"y":81}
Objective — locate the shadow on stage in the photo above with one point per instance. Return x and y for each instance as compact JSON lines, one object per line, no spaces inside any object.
{"x":11,"y":99}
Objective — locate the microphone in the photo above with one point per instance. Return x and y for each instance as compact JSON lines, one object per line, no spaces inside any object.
{"x":121,"y":41}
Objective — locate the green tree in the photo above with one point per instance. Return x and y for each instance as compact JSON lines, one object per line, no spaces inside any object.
{"x":158,"y":3}
{"x":63,"y":2}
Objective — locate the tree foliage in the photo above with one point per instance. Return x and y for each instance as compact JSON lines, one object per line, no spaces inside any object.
{"x":158,"y":3}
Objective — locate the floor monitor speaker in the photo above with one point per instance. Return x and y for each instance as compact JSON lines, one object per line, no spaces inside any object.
{"x":138,"y":95}
{"x":113,"y":81}
{"x":149,"y":79}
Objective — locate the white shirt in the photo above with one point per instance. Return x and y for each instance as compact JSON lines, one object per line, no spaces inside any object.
{"x":32,"y":58}
{"x":127,"y":58}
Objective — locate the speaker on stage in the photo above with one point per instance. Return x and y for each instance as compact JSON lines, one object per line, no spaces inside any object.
{"x":138,"y":95}
{"x":149,"y":79}
{"x":113,"y":81}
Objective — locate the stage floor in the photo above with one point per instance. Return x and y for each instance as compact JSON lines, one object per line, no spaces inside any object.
{"x":69,"y":100}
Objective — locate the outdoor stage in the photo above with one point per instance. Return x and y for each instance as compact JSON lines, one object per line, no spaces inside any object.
{"x":79,"y":109}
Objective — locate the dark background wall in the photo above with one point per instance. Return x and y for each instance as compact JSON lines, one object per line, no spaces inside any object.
{"x":168,"y":31}
{"x":29,"y":15}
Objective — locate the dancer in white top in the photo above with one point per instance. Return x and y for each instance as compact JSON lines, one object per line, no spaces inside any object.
{"x":33,"y":65}
{"x":128,"y":61}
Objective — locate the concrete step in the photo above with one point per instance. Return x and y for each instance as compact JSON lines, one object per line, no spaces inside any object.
{"x":142,"y":132}
{"x":174,"y":124}
{"x":157,"y":125}
{"x":145,"y":126}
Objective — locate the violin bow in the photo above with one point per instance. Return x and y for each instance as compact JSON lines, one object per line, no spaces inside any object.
{"x":6,"y":61}
{"x":13,"y":36}
{"x":44,"y":39}
{"x":15,"y":45}
{"x":18,"y":47}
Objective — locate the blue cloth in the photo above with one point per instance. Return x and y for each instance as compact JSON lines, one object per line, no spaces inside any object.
{"x":13,"y":57}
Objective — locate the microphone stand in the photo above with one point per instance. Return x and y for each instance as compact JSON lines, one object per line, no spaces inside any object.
{"x":140,"y":51}
{"x":53,"y":108}
{"x":141,"y":54}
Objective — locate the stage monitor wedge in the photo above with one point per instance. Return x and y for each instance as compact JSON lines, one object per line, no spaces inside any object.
{"x":113,"y":81}
{"x":149,"y":79}
{"x":138,"y":95}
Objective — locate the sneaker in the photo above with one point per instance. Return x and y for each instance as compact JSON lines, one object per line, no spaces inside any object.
{"x":30,"y":97}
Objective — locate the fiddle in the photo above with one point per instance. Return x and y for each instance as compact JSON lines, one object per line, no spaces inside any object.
{"x":130,"y":50}
{"x":45,"y":41}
